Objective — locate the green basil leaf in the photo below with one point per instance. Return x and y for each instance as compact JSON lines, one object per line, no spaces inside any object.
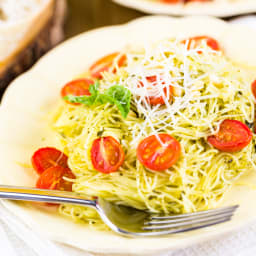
{"x":94,"y":88}
{"x":116,"y":95}
{"x":121,"y":97}
{"x":86,"y":100}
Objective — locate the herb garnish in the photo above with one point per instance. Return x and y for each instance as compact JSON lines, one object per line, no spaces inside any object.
{"x":116,"y":95}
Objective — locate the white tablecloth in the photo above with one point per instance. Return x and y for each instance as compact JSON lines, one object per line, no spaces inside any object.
{"x":18,"y":240}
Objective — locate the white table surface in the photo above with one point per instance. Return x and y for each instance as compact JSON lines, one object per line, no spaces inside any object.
{"x":17,"y":240}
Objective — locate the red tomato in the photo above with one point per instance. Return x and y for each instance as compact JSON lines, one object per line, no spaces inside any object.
{"x":194,"y":42}
{"x":106,"y":63}
{"x":77,"y":87}
{"x":45,"y":158}
{"x":155,"y":156}
{"x":157,"y":100}
{"x":52,"y":178}
{"x":253,"y":87}
{"x":107,"y":154}
{"x":233,"y":136}
{"x":171,"y":1}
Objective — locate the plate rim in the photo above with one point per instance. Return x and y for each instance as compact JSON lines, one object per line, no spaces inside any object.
{"x":160,"y":8}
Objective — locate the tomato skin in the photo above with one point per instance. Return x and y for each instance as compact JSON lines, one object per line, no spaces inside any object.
{"x":233,"y":136}
{"x":52,"y":178}
{"x":253,"y":88}
{"x":107,"y":154}
{"x":105,"y":64}
{"x":157,"y":100}
{"x":171,"y":1}
{"x":78,"y":87}
{"x":153,"y":155}
{"x":193,"y":42}
{"x":45,"y":158}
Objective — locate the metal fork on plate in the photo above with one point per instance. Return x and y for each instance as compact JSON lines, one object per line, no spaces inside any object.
{"x":122,"y":219}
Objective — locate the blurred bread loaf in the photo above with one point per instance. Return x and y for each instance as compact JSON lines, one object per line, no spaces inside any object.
{"x":28,"y":28}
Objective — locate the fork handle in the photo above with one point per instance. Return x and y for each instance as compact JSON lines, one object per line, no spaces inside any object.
{"x":44,"y":195}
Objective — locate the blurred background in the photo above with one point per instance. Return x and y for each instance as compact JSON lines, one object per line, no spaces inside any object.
{"x":83,"y":15}
{"x":69,"y":18}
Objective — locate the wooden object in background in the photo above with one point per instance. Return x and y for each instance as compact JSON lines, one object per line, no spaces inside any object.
{"x":50,"y":33}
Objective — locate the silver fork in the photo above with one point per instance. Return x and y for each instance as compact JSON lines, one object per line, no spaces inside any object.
{"x":122,"y":219}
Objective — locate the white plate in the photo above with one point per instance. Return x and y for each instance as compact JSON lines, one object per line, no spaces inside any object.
{"x":217,"y":8}
{"x":24,"y":128}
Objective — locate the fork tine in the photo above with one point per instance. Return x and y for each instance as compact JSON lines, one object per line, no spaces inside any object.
{"x":180,"y":223}
{"x":210,"y":212}
{"x":209,"y":216}
{"x":183,"y":225}
{"x":184,"y":229}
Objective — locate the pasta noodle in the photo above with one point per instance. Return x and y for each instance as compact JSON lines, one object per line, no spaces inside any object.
{"x":208,"y":88}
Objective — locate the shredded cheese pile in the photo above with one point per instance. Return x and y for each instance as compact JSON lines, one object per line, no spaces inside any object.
{"x":207,"y":88}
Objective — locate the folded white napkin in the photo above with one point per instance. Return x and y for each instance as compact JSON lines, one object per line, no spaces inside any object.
{"x":7,"y":249}
{"x":40,"y":245}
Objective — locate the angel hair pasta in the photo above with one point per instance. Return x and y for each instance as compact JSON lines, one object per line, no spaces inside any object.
{"x":183,"y":89}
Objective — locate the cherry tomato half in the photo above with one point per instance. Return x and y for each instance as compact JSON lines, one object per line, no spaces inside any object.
{"x":45,"y":158}
{"x":253,"y":88}
{"x":52,"y":178}
{"x":194,"y":42}
{"x":232,"y":136}
{"x":157,"y":100}
{"x":77,"y":87}
{"x":107,"y":154}
{"x":106,"y":63}
{"x":156,"y":156}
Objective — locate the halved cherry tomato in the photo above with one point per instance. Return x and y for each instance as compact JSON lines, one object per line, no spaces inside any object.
{"x":194,"y":42}
{"x":158,"y":156}
{"x":253,"y":88}
{"x":232,"y":136}
{"x":106,"y":63}
{"x":45,"y":158}
{"x":77,"y":87}
{"x":157,"y":100}
{"x":52,"y":178}
{"x":107,"y":154}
